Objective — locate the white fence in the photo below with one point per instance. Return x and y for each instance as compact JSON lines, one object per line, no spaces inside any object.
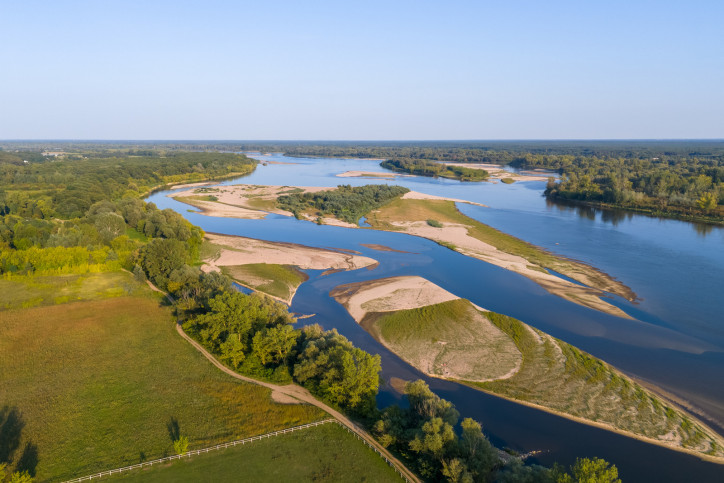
{"x":227,"y":445}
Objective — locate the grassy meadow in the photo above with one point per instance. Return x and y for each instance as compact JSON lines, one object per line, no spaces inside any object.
{"x":323,"y":453}
{"x":104,"y":383}
{"x":280,"y":281}
{"x":449,"y":339}
{"x":560,"y":377}
{"x":33,"y":291}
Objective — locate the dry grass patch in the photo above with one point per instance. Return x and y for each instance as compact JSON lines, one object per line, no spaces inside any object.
{"x":451,"y":339}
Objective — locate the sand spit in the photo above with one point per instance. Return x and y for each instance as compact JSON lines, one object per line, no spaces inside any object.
{"x":416,"y":195}
{"x":389,"y":295}
{"x":240,"y":251}
{"x":367,"y":174}
{"x":457,"y":236}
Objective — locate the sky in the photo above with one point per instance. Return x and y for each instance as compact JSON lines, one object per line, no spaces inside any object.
{"x":365,"y":70}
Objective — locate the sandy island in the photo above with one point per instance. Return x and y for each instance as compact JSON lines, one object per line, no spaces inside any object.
{"x":496,"y":171}
{"x":457,"y":236}
{"x":367,"y":174}
{"x":236,"y":250}
{"x":403,"y":293}
{"x":472,"y":350}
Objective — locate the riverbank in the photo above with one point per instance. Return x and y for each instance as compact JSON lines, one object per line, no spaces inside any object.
{"x":554,"y":376}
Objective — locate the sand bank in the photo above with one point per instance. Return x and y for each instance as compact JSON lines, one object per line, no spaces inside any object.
{"x":496,"y":171}
{"x":367,"y":174}
{"x":416,"y":195}
{"x":389,"y":295}
{"x":237,"y":250}
{"x":456,"y":235}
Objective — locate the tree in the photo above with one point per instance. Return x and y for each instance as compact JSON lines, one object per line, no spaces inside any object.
{"x":588,"y":470}
{"x":181,"y":445}
{"x":21,"y":477}
{"x":707,"y":202}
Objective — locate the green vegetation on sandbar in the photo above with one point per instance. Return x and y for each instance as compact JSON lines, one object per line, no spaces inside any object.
{"x":507,"y":180}
{"x":279,"y":281}
{"x":560,"y":377}
{"x":450,"y":339}
{"x":422,"y":167}
{"x":411,"y":210}
{"x":322,"y":453}
{"x":346,"y":203}
{"x":444,"y":340}
{"x":101,"y":384}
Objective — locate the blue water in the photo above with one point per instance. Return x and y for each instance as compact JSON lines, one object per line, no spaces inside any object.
{"x":676,"y":268}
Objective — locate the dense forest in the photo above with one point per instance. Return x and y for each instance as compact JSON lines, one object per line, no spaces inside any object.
{"x":345,"y":203}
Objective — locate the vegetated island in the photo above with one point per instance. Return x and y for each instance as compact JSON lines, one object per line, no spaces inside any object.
{"x":448,"y":337}
{"x":272,"y":268}
{"x":394,"y":208}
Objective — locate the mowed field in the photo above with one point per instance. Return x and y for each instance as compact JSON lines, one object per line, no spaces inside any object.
{"x":324,"y":453}
{"x":93,"y":385}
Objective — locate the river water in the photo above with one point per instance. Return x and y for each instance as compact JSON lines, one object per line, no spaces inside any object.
{"x":676,"y":268}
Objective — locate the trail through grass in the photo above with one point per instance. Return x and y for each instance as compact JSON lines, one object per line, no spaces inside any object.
{"x":106,"y":383}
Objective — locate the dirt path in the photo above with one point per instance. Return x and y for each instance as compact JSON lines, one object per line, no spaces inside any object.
{"x":300,"y":394}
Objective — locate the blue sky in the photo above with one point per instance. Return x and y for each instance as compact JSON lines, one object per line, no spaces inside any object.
{"x":361,"y":70}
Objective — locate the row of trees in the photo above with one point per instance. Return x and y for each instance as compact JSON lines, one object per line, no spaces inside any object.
{"x":346,"y":203}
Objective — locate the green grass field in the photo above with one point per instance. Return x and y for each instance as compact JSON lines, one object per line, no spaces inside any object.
{"x":280,"y":281}
{"x":32,"y":291}
{"x":404,"y":210}
{"x":323,"y":453}
{"x":101,"y":384}
{"x":450,"y":339}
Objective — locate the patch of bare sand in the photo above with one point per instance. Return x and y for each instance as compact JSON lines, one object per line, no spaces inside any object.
{"x":416,"y":195}
{"x":240,"y":251}
{"x":367,"y":174}
{"x":457,"y":235}
{"x":389,"y":295}
{"x":496,"y":171}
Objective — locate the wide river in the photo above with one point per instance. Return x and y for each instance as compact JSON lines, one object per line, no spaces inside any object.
{"x":676,"y":269}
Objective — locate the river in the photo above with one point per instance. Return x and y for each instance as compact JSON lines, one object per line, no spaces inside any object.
{"x":676,"y":268}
